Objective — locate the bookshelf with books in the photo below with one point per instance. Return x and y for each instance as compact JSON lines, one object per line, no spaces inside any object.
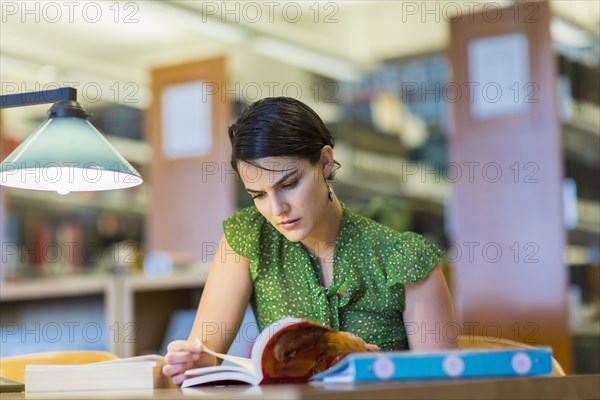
{"x":44,"y":233}
{"x":99,"y":239}
{"x":58,"y":252}
{"x":126,"y":314}
{"x":49,"y":234}
{"x":394,"y":131}
{"x":579,"y":110}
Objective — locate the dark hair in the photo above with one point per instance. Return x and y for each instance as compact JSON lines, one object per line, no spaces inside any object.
{"x":279,"y":127}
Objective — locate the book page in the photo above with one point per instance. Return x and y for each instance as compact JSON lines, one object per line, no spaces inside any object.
{"x":298,"y":350}
{"x":216,"y":368}
{"x":241,"y":361}
{"x":263,"y":339}
{"x":223,"y":377}
{"x":147,"y":357}
{"x":91,"y":366}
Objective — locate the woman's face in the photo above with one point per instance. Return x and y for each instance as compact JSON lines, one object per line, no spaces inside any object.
{"x":290,"y":193}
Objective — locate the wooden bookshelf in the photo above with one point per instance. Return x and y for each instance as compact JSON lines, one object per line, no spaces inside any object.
{"x":47,"y":288}
{"x":136,"y":307}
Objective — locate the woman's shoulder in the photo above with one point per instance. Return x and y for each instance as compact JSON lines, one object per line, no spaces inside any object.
{"x":245,"y":229}
{"x":371,"y":231}
{"x":247,"y":215}
{"x":407,"y":256}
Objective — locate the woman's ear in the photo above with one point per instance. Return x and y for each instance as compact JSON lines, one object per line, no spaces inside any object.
{"x":327,"y":160}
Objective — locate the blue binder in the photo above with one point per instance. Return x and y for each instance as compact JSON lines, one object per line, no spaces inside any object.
{"x":440,"y":364}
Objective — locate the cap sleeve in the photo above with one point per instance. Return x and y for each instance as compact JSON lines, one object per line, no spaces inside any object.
{"x":243,"y":231}
{"x":412,"y":258}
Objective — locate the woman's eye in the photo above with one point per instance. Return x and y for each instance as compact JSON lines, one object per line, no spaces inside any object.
{"x":290,"y":185}
{"x":286,"y":186}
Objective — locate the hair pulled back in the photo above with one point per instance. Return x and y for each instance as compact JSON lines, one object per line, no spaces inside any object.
{"x":278,"y":127}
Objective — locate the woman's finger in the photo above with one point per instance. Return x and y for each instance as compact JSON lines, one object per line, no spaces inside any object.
{"x":181,"y":357}
{"x":173,"y":369}
{"x":355,"y":338}
{"x":178,"y":379}
{"x":184,"y":345}
{"x":176,"y":345}
{"x":372,"y":347}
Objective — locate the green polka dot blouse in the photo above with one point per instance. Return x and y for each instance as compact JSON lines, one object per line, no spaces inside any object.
{"x":370,"y":265}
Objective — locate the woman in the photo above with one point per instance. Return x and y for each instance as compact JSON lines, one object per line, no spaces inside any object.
{"x":301,"y":252}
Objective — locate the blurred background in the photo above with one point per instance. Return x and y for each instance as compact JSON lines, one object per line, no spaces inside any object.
{"x":91,"y":270}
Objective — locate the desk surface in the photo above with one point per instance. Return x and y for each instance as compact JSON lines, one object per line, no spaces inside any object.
{"x":570,"y":386}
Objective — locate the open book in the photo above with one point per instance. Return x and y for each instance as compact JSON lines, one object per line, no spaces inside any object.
{"x":288,"y":350}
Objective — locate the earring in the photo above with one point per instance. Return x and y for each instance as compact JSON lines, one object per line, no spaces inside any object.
{"x":330,"y":193}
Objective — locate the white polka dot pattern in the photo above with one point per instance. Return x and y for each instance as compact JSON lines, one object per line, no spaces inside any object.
{"x":366,"y":294}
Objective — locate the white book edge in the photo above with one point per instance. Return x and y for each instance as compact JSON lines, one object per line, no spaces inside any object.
{"x":147,"y":357}
{"x":217,"y":368}
{"x":70,"y":378}
{"x":238,"y":376}
{"x":98,"y":366}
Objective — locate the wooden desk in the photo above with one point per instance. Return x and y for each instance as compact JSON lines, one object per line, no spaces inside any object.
{"x":568,"y":387}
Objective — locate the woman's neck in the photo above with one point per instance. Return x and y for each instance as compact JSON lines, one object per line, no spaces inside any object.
{"x":321,"y":242}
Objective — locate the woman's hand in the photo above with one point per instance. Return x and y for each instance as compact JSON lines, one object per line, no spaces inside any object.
{"x":183,"y":355}
{"x":369,"y":346}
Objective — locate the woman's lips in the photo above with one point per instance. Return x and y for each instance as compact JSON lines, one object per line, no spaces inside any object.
{"x":290,"y":224}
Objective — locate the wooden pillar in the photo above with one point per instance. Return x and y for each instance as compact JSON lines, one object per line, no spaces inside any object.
{"x":507,"y":230}
{"x":192,"y":185}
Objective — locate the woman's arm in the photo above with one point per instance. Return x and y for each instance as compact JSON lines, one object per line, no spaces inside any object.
{"x":220,"y":313}
{"x":429,"y":315}
{"x":224,"y":299}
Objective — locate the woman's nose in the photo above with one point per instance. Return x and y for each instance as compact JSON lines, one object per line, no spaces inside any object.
{"x":279,"y":205}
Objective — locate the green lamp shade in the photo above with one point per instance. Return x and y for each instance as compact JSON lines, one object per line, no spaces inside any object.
{"x":67,"y":154}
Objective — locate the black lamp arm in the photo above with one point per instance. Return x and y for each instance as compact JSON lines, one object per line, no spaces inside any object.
{"x":41,"y":97}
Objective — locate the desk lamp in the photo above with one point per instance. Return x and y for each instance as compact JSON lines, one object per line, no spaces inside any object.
{"x":66,"y":153}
